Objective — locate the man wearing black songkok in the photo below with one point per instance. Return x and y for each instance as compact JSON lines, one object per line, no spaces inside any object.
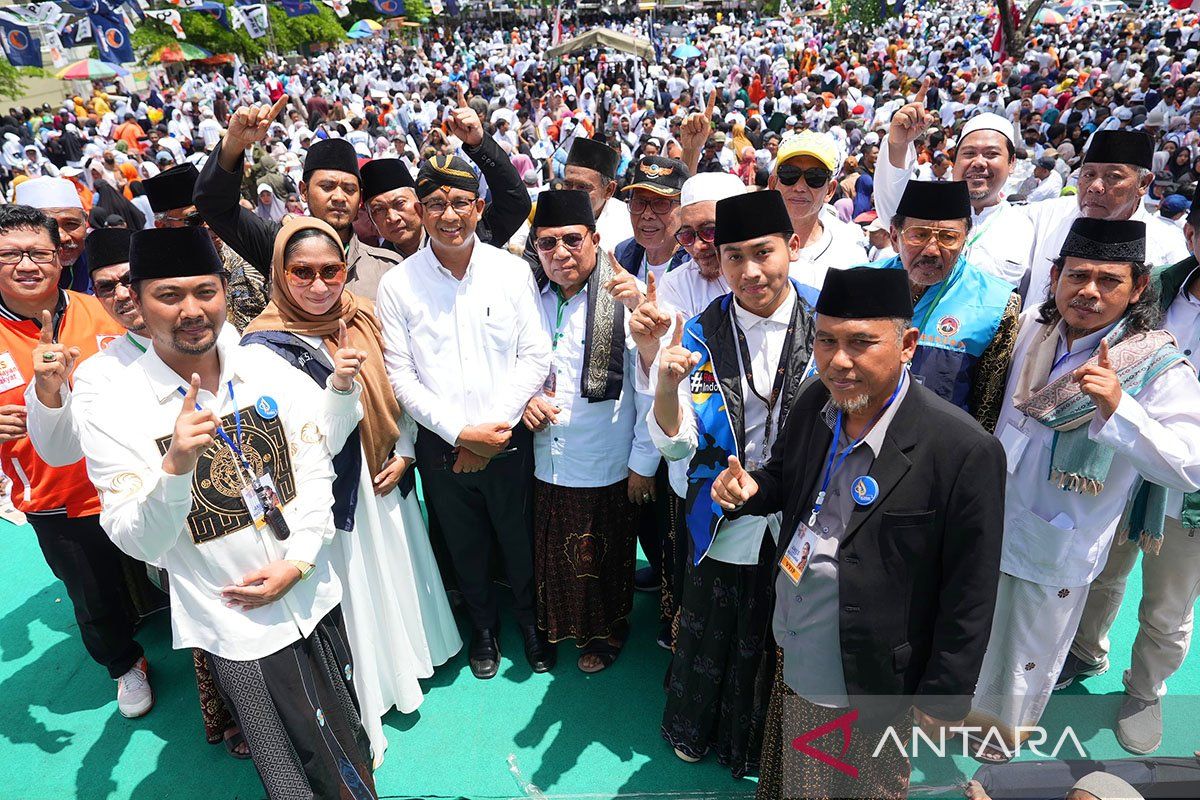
{"x":331,"y":185}
{"x":867,"y":458}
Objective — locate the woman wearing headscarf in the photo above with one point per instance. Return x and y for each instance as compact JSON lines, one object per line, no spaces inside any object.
{"x":269,"y":207}
{"x":107,"y":201}
{"x":397,"y":615}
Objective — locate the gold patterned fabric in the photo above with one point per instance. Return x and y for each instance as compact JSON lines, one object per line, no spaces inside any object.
{"x":213,"y":711}
{"x":247,"y":290}
{"x":787,"y":773}
{"x":991,"y":373}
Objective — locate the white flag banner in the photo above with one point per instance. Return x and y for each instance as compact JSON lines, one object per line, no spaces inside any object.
{"x":171,"y":17}
{"x":435,"y":6}
{"x":83,"y":30}
{"x":254,"y":20}
{"x":55,"y":46}
{"x":39,"y":13}
{"x":17,"y":16}
{"x":339,"y":7}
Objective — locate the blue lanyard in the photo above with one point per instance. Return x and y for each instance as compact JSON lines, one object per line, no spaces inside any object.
{"x":840,"y":456}
{"x":235,"y":447}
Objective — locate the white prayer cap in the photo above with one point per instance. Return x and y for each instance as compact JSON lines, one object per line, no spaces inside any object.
{"x":48,"y":193}
{"x":988,"y":121}
{"x":1106,"y":787}
{"x":710,"y":186}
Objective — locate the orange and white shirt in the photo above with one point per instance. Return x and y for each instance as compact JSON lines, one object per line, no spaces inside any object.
{"x":79,"y":321}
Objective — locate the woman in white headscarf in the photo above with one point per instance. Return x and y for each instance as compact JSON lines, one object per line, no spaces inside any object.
{"x":269,"y":207}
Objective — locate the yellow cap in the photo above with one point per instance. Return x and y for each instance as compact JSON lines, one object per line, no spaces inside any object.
{"x":809,"y":143}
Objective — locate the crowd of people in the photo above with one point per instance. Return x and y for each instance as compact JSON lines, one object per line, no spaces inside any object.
{"x":878,"y":340}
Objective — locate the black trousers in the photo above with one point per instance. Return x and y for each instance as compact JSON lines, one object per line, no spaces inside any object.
{"x":81,"y":555}
{"x":654,"y":520}
{"x":480,"y":510}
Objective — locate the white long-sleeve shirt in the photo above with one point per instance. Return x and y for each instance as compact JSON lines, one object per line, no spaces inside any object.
{"x":738,"y":541}
{"x":1183,"y":322}
{"x":1001,"y":238}
{"x":1061,"y":538}
{"x":685,"y":290}
{"x":1052,"y":221}
{"x":591,"y":444}
{"x":146,"y":511}
{"x":467,"y":352}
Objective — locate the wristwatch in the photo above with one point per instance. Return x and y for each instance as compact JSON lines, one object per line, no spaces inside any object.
{"x":305,"y":568}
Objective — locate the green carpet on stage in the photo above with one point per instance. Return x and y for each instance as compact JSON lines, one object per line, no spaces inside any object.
{"x":564,"y":734}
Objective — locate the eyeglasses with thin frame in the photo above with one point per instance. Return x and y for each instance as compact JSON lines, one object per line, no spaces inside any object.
{"x":108,"y":288}
{"x":919,"y":236}
{"x":688,"y":236}
{"x":438,"y":207}
{"x":659,"y":205}
{"x":814,"y":177}
{"x":38,"y":255}
{"x":303,"y":276}
{"x":548,"y":244}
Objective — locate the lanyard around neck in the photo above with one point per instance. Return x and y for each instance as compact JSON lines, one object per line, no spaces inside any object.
{"x":235,"y":447}
{"x":780,"y":371}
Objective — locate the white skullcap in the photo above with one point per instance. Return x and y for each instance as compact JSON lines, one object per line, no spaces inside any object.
{"x":710,"y":186}
{"x":48,"y":193}
{"x":1106,"y":787}
{"x":988,"y":121}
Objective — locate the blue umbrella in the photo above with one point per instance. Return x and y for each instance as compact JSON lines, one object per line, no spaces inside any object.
{"x":687,"y":51}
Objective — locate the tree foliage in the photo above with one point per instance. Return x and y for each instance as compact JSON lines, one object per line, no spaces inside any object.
{"x":864,"y":11}
{"x":11,"y":85}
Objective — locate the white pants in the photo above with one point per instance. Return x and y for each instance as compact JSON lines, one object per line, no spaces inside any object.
{"x":1170,"y":585}
{"x":1031,"y":634}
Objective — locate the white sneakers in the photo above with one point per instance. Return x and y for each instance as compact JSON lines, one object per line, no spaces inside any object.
{"x":135,"y":698}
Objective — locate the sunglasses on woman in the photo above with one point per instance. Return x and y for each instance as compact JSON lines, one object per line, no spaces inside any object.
{"x":688,"y":236}
{"x":303,"y":276}
{"x":815,"y":177}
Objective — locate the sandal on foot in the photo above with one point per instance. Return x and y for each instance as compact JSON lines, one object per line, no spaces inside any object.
{"x":605,"y":651}
{"x":233,"y":742}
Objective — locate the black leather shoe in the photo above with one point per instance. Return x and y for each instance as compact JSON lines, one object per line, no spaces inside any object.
{"x":541,"y":654}
{"x":485,"y":654}
{"x":647,"y":580}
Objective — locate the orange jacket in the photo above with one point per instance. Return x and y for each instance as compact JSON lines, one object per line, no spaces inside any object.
{"x":37,"y":486}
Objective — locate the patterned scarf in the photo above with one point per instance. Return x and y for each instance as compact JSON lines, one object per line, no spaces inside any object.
{"x":604,"y":346}
{"x":1077,"y":463}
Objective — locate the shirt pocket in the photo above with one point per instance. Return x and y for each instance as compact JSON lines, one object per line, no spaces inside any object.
{"x":1044,"y":545}
{"x":499,"y":330}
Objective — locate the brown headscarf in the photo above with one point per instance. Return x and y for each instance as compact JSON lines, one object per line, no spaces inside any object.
{"x":380,"y":427}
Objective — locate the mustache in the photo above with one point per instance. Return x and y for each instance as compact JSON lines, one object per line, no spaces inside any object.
{"x":192,"y":325}
{"x":1084,"y":305}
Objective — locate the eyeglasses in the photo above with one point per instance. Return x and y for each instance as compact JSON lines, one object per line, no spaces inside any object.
{"x":106,"y":289}
{"x":438,"y":207}
{"x":919,"y":236}
{"x":192,"y":220}
{"x":548,"y":244}
{"x":815,"y":177}
{"x":10,"y":258}
{"x":303,"y":276}
{"x":688,"y":236}
{"x":659,"y":205}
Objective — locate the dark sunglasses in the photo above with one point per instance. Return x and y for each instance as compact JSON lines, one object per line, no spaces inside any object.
{"x":106,"y":289}
{"x":687,"y":236}
{"x":548,"y":244}
{"x":815,"y":177}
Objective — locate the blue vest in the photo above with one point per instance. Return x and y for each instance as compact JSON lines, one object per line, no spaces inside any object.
{"x":954,"y":333}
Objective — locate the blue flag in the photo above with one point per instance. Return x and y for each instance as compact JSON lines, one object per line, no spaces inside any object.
{"x":137,"y":10}
{"x":218,"y":11}
{"x":107,"y":7}
{"x":21,"y":48}
{"x":452,"y":8}
{"x":112,"y":39}
{"x":298,"y":8}
{"x":391,"y":8}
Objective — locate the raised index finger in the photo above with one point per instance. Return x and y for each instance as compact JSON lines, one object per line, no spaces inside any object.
{"x":712,"y":101}
{"x":189,"y":398}
{"x":343,"y":335}
{"x":1102,"y":358}
{"x":47,"y":335}
{"x":677,"y":336}
{"x":278,"y":107}
{"x":651,"y":292}
{"x":462,"y":101}
{"x":920,"y":97}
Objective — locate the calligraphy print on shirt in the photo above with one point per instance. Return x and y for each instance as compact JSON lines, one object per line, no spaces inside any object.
{"x":217,"y":507}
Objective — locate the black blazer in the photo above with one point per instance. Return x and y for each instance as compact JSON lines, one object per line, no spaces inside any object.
{"x":919,"y":567}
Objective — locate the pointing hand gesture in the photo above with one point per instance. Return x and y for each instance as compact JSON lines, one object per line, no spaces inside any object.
{"x":623,"y":286}
{"x":1100,"y":382}
{"x":909,"y":122}
{"x":464,"y":122}
{"x":52,"y":364}
{"x":649,"y":324}
{"x":734,"y":486}
{"x":676,"y":361}
{"x":194,"y":432}
{"x":347,"y":361}
{"x":696,"y":129}
{"x":249,"y":124}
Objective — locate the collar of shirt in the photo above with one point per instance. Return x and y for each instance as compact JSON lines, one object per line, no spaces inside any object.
{"x":875,"y":436}
{"x":431,"y":257}
{"x":781,"y":315}
{"x":167,"y":382}
{"x":1188,"y":297}
{"x":1085,"y":344}
{"x":59,"y":308}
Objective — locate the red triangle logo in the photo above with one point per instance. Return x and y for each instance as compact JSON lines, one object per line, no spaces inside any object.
{"x":844,"y":723}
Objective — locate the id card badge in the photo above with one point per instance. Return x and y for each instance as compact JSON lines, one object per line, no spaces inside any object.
{"x":551,"y":383}
{"x":267,"y":493}
{"x":1014,"y":441}
{"x":258,"y":513}
{"x":799,"y":551}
